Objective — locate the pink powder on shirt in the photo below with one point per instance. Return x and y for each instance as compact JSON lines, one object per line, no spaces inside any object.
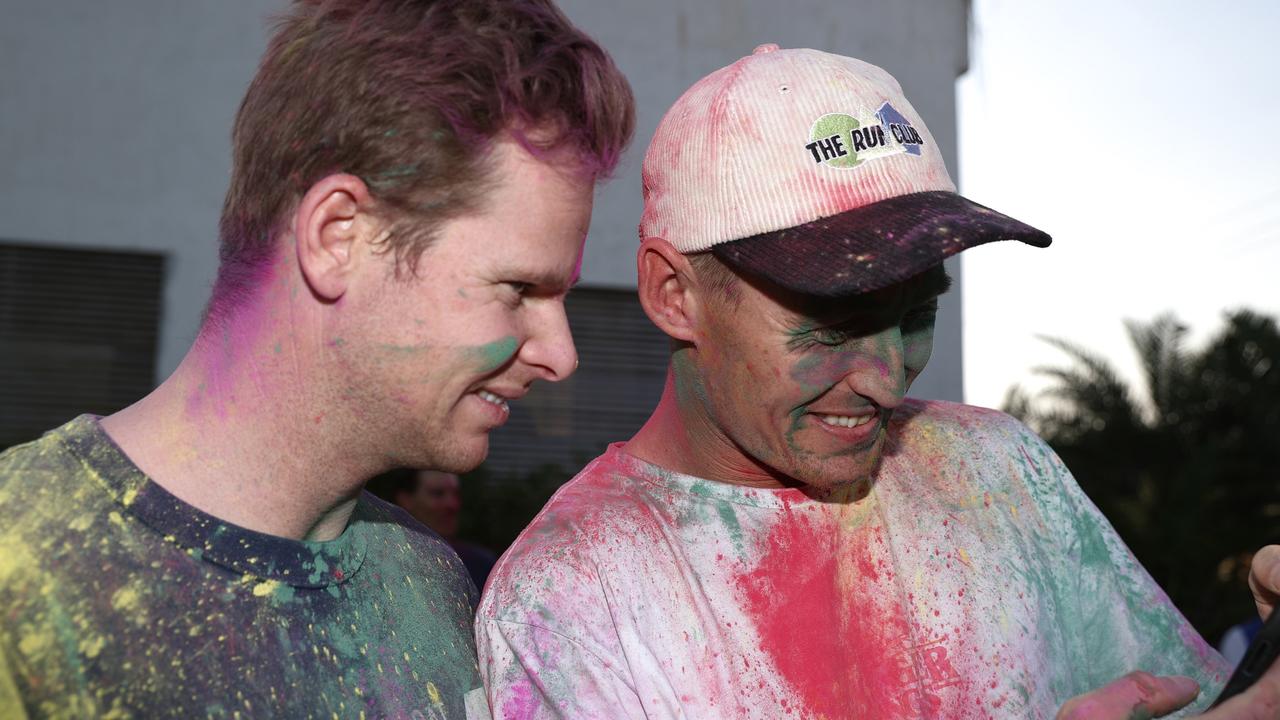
{"x":837,"y":646}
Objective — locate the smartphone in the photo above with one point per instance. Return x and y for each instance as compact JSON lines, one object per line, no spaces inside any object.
{"x":1261,"y":654}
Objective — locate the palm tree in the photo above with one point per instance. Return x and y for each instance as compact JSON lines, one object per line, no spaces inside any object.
{"x":1186,"y":467}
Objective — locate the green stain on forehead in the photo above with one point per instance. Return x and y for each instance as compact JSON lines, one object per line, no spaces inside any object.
{"x":494,"y":355}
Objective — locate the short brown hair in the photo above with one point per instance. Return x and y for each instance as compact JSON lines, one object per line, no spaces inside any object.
{"x":715,"y":276}
{"x":409,"y":95}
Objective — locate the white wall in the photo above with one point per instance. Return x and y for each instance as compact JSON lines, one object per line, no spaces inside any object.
{"x":115,"y":126}
{"x":115,"y":118}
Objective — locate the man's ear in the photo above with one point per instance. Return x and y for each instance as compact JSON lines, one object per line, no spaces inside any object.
{"x":666,"y":288}
{"x":330,"y":221}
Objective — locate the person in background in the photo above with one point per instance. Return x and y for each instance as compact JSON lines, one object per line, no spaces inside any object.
{"x":434,"y":498}
{"x":1235,"y":641}
{"x":411,"y":189}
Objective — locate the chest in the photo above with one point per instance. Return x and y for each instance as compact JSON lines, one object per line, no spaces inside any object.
{"x":187,"y":639}
{"x":944,"y":611}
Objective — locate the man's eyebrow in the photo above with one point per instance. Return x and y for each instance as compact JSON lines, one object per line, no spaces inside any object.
{"x":544,"y":279}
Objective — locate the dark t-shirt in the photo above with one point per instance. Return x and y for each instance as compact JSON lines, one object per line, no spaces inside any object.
{"x":478,"y":559}
{"x":118,"y":599}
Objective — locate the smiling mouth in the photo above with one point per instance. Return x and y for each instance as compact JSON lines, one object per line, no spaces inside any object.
{"x":492,"y":399}
{"x":847,"y":421}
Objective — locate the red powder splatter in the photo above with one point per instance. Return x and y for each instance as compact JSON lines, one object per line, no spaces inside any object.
{"x":840,"y":648}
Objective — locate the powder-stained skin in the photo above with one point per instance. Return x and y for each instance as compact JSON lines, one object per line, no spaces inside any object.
{"x":119,"y":600}
{"x":974,"y":580}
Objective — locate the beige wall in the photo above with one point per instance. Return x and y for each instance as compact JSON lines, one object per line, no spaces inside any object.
{"x":115,"y":117}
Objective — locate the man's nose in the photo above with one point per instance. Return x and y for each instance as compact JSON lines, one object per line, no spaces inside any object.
{"x":549,"y":347}
{"x":882,"y":375}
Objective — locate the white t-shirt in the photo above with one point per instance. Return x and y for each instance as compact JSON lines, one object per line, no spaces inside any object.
{"x":975,"y":580}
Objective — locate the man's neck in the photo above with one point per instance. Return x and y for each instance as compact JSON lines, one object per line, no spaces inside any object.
{"x":680,"y":436}
{"x":242,"y":432}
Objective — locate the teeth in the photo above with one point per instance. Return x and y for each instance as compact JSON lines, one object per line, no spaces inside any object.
{"x":845,"y":420}
{"x":491,"y":398}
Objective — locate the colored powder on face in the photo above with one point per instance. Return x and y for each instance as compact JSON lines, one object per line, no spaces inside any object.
{"x":813,"y":374}
{"x":690,"y":391}
{"x":494,"y":355}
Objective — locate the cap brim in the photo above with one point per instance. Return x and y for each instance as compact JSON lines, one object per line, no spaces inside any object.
{"x":874,"y":246}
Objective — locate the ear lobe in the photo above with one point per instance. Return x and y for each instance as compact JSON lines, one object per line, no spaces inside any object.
{"x":328,"y":226}
{"x":665,"y":288}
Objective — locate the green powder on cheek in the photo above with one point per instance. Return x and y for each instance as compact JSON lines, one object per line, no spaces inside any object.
{"x":491,"y":356}
{"x":811,"y":374}
{"x":794,"y":427}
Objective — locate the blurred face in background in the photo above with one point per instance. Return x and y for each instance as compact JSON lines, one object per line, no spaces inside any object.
{"x":435,"y":502}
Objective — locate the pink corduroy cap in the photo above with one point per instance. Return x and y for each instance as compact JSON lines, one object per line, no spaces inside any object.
{"x":813,"y":171}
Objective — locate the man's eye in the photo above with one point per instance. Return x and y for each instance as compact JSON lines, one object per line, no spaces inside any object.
{"x":830,"y":336}
{"x":920,"y":316}
{"x":819,"y":336}
{"x":519,"y":287}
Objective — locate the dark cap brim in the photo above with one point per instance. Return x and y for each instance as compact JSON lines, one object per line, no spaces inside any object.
{"x":874,"y":246}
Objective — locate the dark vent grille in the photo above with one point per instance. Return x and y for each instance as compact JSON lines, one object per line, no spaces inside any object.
{"x":623,"y":365}
{"x":77,"y":334}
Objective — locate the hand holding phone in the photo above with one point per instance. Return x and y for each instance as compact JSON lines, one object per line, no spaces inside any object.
{"x":1261,"y":654}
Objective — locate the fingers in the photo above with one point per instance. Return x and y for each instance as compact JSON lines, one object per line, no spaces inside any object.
{"x":1259,"y":702}
{"x":1136,"y":695}
{"x":1264,"y":579}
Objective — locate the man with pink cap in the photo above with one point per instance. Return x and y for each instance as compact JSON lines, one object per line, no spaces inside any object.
{"x":788,"y":536}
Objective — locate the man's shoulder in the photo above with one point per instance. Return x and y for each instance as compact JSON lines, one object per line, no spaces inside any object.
{"x":599,"y":506}
{"x":395,"y":523}
{"x":940,"y":423}
{"x":968,"y":448}
{"x":607,"y":488}
{"x":50,"y":505}
{"x":44,"y":468}
{"x":404,"y":541}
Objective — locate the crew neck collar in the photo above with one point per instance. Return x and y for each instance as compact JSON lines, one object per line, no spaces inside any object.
{"x":298,"y":563}
{"x":774,"y":498}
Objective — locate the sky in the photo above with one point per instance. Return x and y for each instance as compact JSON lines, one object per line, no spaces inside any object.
{"x":1145,"y":138}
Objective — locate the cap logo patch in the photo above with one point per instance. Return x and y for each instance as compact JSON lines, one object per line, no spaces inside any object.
{"x":843,"y":141}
